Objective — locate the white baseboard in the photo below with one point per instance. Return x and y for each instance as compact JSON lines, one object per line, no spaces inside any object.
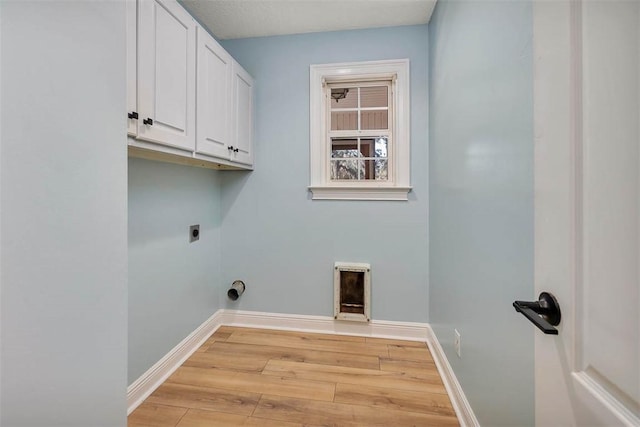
{"x":465,"y":414}
{"x":141,"y":388}
{"x":411,"y":331}
{"x":325,"y":324}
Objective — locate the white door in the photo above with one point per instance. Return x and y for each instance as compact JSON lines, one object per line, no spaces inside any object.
{"x":243,"y":116}
{"x":166,"y":74}
{"x":213,"y":98}
{"x":587,"y":210}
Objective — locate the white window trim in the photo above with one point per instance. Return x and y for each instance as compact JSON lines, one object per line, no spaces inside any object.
{"x":396,"y":188}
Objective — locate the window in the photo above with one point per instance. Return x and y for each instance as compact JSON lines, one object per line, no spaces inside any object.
{"x":359,"y":142}
{"x":359,"y":130}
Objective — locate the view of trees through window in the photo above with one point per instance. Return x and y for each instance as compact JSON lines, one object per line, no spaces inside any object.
{"x":359,"y":158}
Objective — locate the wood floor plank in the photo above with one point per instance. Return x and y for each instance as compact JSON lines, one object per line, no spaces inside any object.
{"x":195,"y":397}
{"x":225,"y":349}
{"x":222,"y":333}
{"x":151,"y":415}
{"x":253,"y":383}
{"x":412,"y":401}
{"x":205,"y":345}
{"x":409,"y":353}
{"x":309,"y":343}
{"x":239,"y":362}
{"x":341,"y":374}
{"x":200,"y":418}
{"x":264,"y":422}
{"x":388,"y":341}
{"x":303,"y":335}
{"x":339,"y":414}
{"x":419,"y":368}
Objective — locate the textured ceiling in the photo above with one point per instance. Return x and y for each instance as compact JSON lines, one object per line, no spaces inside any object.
{"x":232,"y":19}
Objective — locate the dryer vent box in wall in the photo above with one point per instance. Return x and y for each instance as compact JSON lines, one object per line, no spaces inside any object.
{"x":352,"y":291}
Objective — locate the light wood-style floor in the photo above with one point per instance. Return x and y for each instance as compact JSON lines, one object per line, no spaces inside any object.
{"x":258,"y":377}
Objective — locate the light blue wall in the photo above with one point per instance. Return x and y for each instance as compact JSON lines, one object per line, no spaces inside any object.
{"x":282,"y":243}
{"x":481,"y":179}
{"x":173,"y":284}
{"x":63,"y":320}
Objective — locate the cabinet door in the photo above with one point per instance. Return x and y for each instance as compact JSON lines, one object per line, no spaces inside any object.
{"x":243,"y":115}
{"x":166,"y":74}
{"x":132,"y":89}
{"x":213,"y":122}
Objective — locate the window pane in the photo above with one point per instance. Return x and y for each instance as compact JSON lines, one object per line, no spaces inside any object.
{"x":374,"y":96}
{"x":382,"y":173}
{"x":368,"y":171}
{"x":344,"y":169}
{"x":367,"y":147}
{"x":344,"y":147}
{"x":381,"y":147}
{"x":374,"y":120}
{"x":344,"y":97}
{"x":375,"y":169}
{"x":344,"y":120}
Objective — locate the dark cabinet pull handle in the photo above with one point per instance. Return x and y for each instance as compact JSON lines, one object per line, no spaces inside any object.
{"x":230,"y":147}
{"x":235,"y":150}
{"x":133,"y":115}
{"x":544,"y":313}
{"x":148,"y":121}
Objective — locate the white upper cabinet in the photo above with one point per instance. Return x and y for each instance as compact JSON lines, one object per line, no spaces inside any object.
{"x":132,"y":84}
{"x":166,"y":74}
{"x":214,"y":103}
{"x":188,"y":100}
{"x":242,"y":85}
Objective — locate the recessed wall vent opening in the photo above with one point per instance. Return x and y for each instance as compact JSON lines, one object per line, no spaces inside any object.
{"x":352,"y":291}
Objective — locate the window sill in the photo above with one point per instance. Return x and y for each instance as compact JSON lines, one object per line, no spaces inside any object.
{"x":360,"y":193}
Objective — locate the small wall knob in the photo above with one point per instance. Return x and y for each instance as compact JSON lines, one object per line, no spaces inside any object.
{"x":194,"y":233}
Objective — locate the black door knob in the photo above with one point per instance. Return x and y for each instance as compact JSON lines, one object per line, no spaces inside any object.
{"x":544,"y":313}
{"x":148,"y":121}
{"x":235,"y":150}
{"x":133,"y":115}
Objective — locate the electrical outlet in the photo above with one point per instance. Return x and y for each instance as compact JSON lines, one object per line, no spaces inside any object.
{"x":456,"y":342}
{"x":194,"y":233}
